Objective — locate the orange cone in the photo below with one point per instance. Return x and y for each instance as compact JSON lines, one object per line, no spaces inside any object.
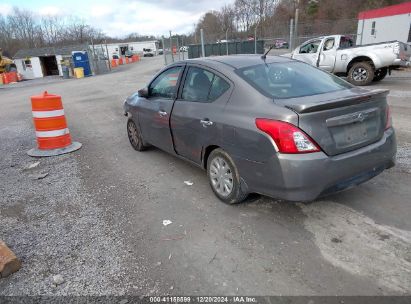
{"x":113,"y":63}
{"x":53,"y":135}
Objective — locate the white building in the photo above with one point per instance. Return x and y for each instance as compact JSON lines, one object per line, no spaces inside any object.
{"x":385,"y":24}
{"x":41,"y":62}
{"x":124,"y":48}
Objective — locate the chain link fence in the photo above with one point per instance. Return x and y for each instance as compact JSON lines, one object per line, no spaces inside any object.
{"x":174,"y":49}
{"x":282,"y":35}
{"x":99,"y":58}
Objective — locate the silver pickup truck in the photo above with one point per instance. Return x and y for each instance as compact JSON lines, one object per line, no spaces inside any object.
{"x":362,"y":64}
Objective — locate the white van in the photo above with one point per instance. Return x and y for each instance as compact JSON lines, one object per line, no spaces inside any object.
{"x":148,"y":52}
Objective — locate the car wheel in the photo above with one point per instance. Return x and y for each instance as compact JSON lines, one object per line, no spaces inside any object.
{"x":134,"y":136}
{"x":361,"y":73}
{"x":380,"y":74}
{"x":224,"y":178}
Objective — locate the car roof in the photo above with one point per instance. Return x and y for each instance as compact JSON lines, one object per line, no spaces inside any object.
{"x":238,"y":61}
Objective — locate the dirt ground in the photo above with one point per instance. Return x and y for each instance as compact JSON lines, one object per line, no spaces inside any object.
{"x":96,"y":218}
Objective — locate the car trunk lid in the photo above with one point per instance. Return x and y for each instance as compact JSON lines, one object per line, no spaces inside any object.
{"x":341,"y":121}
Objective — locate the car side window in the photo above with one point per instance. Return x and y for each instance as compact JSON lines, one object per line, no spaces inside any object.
{"x":329,"y":44}
{"x":165,"y":85}
{"x":346,"y":42}
{"x":203,"y":86}
{"x":311,"y":47}
{"x":197,"y":85}
{"x":218,"y":88}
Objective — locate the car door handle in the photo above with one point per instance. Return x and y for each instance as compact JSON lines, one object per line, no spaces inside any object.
{"x":162,"y":113}
{"x":206,"y":122}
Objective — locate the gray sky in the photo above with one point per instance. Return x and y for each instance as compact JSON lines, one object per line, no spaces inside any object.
{"x":119,"y":18}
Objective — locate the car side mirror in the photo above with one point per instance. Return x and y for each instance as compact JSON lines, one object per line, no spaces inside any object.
{"x":143,"y":93}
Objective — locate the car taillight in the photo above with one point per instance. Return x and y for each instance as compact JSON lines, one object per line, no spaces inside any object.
{"x":388,"y":119}
{"x":288,"y":138}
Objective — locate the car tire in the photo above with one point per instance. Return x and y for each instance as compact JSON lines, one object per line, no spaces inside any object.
{"x":361,"y":74}
{"x":219,"y":164}
{"x":134,"y":136}
{"x":380,"y":74}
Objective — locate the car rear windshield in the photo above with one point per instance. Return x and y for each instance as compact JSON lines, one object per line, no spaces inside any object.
{"x":291,"y":79}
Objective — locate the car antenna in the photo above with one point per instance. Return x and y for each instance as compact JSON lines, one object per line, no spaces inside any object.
{"x":263,"y":57}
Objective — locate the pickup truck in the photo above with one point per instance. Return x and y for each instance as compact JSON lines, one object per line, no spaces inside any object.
{"x":361,"y":64}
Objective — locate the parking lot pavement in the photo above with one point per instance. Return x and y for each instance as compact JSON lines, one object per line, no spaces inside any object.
{"x":97,"y":218}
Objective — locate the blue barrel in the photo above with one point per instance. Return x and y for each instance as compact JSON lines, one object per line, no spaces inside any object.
{"x":80,"y":60}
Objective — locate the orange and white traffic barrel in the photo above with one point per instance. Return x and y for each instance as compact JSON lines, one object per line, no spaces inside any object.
{"x":6,"y":78}
{"x":52,"y":133}
{"x":13,"y":77}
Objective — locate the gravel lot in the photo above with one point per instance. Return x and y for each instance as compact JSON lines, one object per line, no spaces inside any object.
{"x":91,"y":222}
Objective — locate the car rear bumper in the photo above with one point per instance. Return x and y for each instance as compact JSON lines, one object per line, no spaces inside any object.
{"x":305,"y":177}
{"x":402,"y":63}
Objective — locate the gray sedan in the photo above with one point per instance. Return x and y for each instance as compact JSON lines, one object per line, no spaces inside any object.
{"x":267,"y":125}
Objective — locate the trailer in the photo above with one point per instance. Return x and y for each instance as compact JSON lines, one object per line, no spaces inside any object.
{"x":127,"y":49}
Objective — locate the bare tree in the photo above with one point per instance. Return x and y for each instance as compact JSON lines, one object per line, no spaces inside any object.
{"x":24,"y":26}
{"x":77,"y":30}
{"x":245,"y":15}
{"x":52,"y":29}
{"x":7,"y":42}
{"x":252,"y":13}
{"x":211,"y":25}
{"x":138,"y":37}
{"x":226,"y":18}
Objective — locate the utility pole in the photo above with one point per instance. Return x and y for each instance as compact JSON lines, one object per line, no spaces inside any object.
{"x":296,"y":22}
{"x":182,"y":44}
{"x":255,"y":40}
{"x":292,"y":34}
{"x":164,"y":50}
{"x":97,"y":70}
{"x":202,"y":43}
{"x":108,"y":56}
{"x":171,"y":48}
{"x":178,"y":48}
{"x":226,"y":40}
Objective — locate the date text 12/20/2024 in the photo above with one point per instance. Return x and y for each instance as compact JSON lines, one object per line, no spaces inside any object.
{"x":202,"y":299}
